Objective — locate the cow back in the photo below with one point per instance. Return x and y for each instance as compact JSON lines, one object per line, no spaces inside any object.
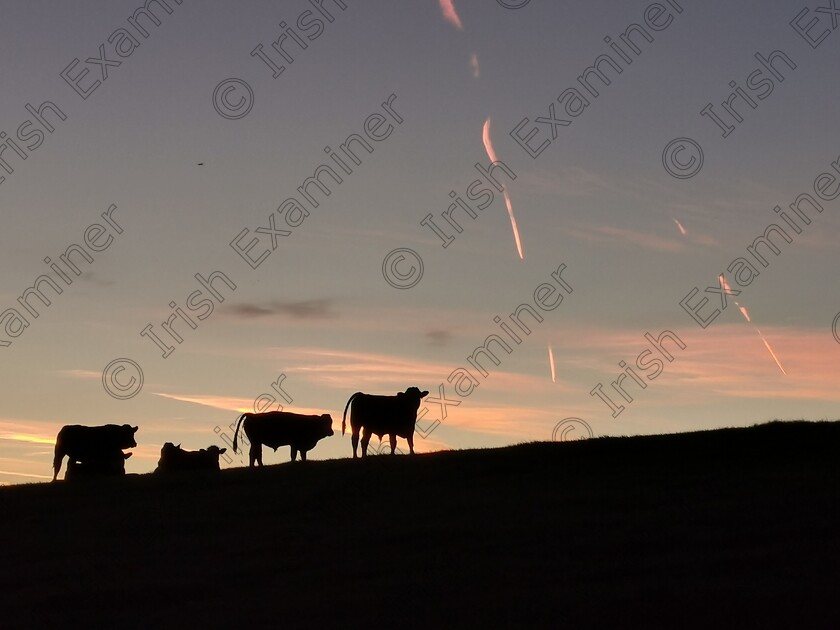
{"x":83,"y":443}
{"x":284,"y":428}
{"x":385,"y":414}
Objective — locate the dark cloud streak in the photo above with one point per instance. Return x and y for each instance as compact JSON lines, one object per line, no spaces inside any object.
{"x":303,"y":309}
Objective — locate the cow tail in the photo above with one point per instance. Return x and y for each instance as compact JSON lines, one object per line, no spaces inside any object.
{"x":346,"y":407}
{"x":236,"y":433}
{"x":59,"y":455}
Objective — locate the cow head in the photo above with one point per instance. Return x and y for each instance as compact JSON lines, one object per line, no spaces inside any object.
{"x":127,"y":436}
{"x":169,"y":448}
{"x":215,"y":451}
{"x":414,"y":395}
{"x":327,"y":420}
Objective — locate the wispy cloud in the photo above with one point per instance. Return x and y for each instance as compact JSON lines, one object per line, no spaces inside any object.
{"x":438,"y":337}
{"x":230,"y":403}
{"x":726,"y":359}
{"x":23,"y":437}
{"x":225,"y":403}
{"x":24,"y":431}
{"x":78,"y":373}
{"x":93,"y":278}
{"x":378,"y":373}
{"x":518,"y":423}
{"x":474,"y":65}
{"x":617,"y":235}
{"x":304,"y":309}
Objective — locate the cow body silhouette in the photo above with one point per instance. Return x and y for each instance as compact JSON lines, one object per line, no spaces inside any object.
{"x":91,"y":444}
{"x":282,"y":428}
{"x":174,"y":459}
{"x":110,"y":465}
{"x":380,"y":415}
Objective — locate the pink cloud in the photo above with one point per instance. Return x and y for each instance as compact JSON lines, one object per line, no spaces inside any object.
{"x":231,"y":403}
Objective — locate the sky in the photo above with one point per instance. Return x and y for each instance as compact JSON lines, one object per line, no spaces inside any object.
{"x":172,"y":161}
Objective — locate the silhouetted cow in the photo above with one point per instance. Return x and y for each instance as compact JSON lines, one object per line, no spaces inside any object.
{"x":175,"y":459}
{"x":378,"y":415}
{"x":283,"y":428}
{"x":109,"y":465}
{"x":83,"y":444}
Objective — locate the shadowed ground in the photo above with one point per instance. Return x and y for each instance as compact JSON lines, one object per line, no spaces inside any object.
{"x":729,"y":528}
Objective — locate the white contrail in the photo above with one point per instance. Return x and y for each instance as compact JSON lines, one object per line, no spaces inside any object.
{"x":679,"y":225}
{"x":488,"y":146}
{"x":551,"y":363}
{"x":749,"y":319}
{"x":450,"y":14}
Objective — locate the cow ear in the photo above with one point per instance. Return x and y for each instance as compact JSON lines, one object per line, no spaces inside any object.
{"x":134,"y":429}
{"x":423,"y":394}
{"x":179,"y":445}
{"x":127,"y":455}
{"x":222,"y":451}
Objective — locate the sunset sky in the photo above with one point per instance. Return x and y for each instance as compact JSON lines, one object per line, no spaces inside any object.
{"x":431,"y":89}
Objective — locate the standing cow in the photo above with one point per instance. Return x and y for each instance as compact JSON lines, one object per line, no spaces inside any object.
{"x":378,"y":415}
{"x":282,"y":428}
{"x":91,"y":444}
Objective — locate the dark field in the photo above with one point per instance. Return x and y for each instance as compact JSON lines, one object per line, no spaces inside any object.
{"x":730,"y":528}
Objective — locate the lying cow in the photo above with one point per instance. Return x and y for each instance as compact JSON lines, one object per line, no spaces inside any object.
{"x":110,"y":465}
{"x":282,"y":428}
{"x":378,"y":415}
{"x":175,"y":459}
{"x":88,"y":444}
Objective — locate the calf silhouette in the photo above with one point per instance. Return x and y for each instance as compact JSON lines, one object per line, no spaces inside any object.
{"x":175,"y":459}
{"x":109,"y":465}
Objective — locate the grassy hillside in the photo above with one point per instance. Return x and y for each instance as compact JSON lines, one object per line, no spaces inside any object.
{"x":728,"y":528}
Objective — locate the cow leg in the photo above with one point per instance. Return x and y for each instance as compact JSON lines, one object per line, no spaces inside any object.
{"x":254,"y":454}
{"x":355,"y":441}
{"x":57,"y":464}
{"x":294,"y":454}
{"x":365,"y":441}
{"x":410,"y":440}
{"x":303,"y":456}
{"x":393,"y":440}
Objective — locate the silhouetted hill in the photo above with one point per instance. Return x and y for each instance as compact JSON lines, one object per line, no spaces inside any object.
{"x":726,"y":528}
